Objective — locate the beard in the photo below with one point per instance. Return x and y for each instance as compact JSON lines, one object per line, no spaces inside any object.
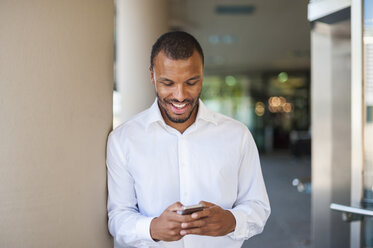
{"x":163,"y":102}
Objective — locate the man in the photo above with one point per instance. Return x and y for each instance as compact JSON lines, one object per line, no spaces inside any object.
{"x":179,"y":153}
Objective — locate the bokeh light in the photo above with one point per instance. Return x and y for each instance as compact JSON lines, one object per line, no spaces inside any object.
{"x":259,"y":109}
{"x":279,"y":104}
{"x":230,"y":80}
{"x":283,"y":77}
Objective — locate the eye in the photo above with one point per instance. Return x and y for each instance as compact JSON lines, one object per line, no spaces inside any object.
{"x":167,"y":83}
{"x":191,"y":83}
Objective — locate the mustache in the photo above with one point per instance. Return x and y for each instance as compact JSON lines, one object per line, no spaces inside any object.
{"x":190,"y":101}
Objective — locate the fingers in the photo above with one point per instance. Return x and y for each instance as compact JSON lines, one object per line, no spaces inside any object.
{"x":197,"y":231}
{"x":181,"y":218}
{"x":201,"y":214}
{"x":177,"y":206}
{"x":193,"y":224}
{"x":207,"y":204}
{"x":162,"y":228}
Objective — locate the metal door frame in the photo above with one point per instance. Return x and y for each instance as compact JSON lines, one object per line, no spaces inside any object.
{"x":357,"y":100}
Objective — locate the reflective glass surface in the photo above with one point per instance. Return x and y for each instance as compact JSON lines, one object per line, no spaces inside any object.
{"x":367,"y":230}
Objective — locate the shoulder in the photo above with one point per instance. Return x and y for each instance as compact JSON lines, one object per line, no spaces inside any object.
{"x":134,"y":125}
{"x":234,"y":133}
{"x":229,"y":124}
{"x":229,"y":128}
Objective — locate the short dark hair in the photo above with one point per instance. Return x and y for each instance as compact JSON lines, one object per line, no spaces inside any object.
{"x":176,"y":45}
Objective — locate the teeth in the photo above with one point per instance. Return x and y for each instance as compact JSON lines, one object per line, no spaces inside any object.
{"x":178,"y":105}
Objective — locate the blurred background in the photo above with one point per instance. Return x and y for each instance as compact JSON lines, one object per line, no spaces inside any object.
{"x":273,"y":65}
{"x":257,"y":70}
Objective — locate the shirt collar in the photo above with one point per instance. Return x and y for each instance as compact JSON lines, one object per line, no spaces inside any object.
{"x":204,"y":113}
{"x":154,"y":114}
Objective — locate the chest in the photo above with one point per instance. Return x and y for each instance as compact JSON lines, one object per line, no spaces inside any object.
{"x":168,"y":155}
{"x":189,"y":169}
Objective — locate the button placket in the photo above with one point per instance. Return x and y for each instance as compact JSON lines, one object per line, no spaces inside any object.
{"x":181,"y":169}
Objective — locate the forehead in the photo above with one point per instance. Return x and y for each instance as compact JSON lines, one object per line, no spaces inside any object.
{"x":166,"y":65}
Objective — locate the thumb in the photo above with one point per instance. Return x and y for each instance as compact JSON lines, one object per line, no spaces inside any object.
{"x":175,"y":207}
{"x":207,"y":204}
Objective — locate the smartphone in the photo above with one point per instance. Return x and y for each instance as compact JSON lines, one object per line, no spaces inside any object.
{"x":191,"y":209}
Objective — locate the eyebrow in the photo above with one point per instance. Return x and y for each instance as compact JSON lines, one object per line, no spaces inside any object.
{"x":194,"y":78}
{"x":164,"y":79}
{"x":190,"y":79}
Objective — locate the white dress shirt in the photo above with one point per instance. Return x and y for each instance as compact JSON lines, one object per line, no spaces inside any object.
{"x":152,"y":165}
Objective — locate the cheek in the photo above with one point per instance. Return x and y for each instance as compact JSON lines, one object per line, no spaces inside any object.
{"x":196,"y":91}
{"x":164,"y":92}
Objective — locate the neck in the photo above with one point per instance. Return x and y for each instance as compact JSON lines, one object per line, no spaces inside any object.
{"x":181,"y":127}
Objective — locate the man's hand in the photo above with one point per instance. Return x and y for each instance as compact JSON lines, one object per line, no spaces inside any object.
{"x":212,"y":221}
{"x":167,"y":226}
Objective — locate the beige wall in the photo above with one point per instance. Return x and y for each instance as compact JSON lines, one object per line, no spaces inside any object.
{"x":55,"y":113}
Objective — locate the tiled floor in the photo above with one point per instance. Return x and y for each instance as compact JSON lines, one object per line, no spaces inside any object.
{"x":289,"y":223}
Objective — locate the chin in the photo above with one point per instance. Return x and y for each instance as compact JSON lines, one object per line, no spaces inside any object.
{"x":178,"y":118}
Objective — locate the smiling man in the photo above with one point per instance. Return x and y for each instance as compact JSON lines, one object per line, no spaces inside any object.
{"x":178,"y":87}
{"x":179,"y":153}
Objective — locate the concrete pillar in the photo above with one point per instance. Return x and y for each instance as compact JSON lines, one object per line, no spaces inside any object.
{"x":138,"y":24}
{"x":331,"y":132}
{"x":321,"y":93}
{"x":56,"y":82}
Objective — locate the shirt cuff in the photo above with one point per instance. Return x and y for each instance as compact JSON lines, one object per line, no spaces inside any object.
{"x":241,"y":231}
{"x":143,"y":229}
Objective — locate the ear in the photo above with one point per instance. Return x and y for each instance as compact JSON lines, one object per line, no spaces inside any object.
{"x":152,"y":75}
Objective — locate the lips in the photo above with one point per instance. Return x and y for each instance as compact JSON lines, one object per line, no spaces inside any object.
{"x":179,"y":108}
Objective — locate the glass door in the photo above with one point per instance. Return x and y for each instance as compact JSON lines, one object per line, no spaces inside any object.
{"x":367,"y":226}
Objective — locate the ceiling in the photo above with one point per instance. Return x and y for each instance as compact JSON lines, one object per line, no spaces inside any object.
{"x":274,"y":37}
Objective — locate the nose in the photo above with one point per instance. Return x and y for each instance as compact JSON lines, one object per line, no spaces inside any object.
{"x":180,"y":93}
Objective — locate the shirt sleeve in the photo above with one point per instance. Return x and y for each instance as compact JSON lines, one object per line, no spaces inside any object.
{"x":251,"y":209}
{"x":126,"y":224}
